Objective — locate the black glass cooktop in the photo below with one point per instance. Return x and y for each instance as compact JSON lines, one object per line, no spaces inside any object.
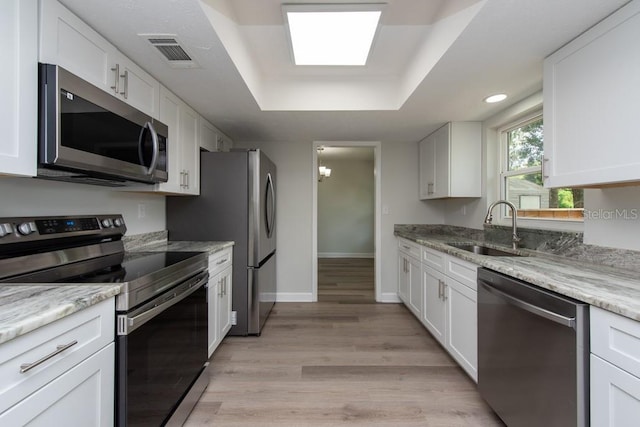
{"x":117,"y":268}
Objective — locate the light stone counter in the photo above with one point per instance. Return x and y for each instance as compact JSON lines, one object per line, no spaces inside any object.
{"x":610,"y":288}
{"x":24,"y":308}
{"x":181,"y":246}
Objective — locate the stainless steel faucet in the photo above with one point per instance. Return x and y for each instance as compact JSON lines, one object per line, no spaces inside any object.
{"x":514,"y":220}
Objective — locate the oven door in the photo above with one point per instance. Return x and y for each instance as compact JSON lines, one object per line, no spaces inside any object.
{"x":161,"y":351}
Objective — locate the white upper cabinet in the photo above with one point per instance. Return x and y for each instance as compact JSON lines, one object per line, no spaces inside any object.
{"x":65,"y":40}
{"x":451,"y":161}
{"x":591,"y":108}
{"x":19,"y":87}
{"x":183,"y":156}
{"x":211,"y":139}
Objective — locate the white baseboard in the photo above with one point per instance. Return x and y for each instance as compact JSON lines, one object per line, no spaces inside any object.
{"x":345,"y":255}
{"x":390,"y":297}
{"x":294,"y":297}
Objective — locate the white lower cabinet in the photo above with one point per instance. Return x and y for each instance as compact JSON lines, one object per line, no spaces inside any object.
{"x":219,"y":296}
{"x":433,"y":315}
{"x":462,"y":325}
{"x":409,"y":281}
{"x":615,"y":369}
{"x":448,"y":300}
{"x":62,"y":373}
{"x":83,"y":396}
{"x":615,"y":395}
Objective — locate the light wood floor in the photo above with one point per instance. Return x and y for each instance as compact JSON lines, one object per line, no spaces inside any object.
{"x":346,"y":280}
{"x":338,"y":364}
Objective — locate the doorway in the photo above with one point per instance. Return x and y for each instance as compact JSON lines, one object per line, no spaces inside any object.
{"x":346,"y":222}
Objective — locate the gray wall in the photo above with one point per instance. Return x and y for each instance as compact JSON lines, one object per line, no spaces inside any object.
{"x":35,"y":197}
{"x":346,"y":203}
{"x":399,"y":199}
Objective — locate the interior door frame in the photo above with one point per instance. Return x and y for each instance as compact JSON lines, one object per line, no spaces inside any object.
{"x":377,"y":154}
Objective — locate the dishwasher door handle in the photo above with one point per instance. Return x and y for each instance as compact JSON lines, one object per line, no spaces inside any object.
{"x":569,"y":322}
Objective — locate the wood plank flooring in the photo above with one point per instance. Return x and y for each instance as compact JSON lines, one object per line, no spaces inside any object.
{"x":338,"y":363}
{"x":346,"y":280}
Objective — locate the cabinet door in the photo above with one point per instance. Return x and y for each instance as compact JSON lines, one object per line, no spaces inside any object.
{"x":83,"y":396}
{"x":403,"y":277}
{"x":433,"y":314}
{"x":213,"y":292}
{"x":427,"y":167}
{"x":138,"y":88}
{"x":415,"y":287}
{"x":67,"y":41}
{"x":18,"y":85}
{"x":615,"y":395}
{"x":170,"y":116}
{"x":442,"y":162}
{"x":591,"y":109}
{"x":189,"y":150}
{"x":462,"y":326}
{"x":224,"y":300}
{"x":208,"y":138}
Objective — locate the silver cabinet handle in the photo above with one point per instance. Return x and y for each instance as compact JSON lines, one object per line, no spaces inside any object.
{"x":116,"y":85}
{"x":222,"y":261}
{"x":569,"y":322}
{"x":545,"y":161}
{"x":59,"y":349}
{"x":444,"y":291}
{"x":407,"y":247}
{"x":439,"y":289}
{"x":186,"y":179}
{"x":430,"y":188}
{"x":125,"y":92}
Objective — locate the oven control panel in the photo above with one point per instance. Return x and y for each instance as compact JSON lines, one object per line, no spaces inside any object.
{"x":15,"y":230}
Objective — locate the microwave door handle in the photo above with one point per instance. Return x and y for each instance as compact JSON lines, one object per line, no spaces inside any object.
{"x":156,"y":147}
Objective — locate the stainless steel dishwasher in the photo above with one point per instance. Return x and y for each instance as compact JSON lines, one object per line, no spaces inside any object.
{"x":533,"y":353}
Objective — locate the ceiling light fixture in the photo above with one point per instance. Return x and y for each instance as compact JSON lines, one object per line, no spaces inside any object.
{"x":323,"y":171}
{"x":331,"y":34}
{"x":495,"y":98}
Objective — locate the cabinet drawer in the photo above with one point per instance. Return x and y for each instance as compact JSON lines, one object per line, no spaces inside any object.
{"x":92,"y":328}
{"x":616,"y":339}
{"x":220,"y":260}
{"x":463,"y":271}
{"x":409,"y":247}
{"x":433,"y":259}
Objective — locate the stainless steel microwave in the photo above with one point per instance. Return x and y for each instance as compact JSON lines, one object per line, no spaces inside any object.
{"x":87,"y":135}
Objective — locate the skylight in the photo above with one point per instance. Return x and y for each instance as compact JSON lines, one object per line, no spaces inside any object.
{"x":335,"y":34}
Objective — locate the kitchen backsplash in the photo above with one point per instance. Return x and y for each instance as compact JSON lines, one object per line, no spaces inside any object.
{"x":566,"y":244}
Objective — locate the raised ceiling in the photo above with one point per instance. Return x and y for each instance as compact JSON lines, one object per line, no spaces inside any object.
{"x":248,"y":88}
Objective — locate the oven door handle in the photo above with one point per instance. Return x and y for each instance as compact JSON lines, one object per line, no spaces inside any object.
{"x":127,"y":324}
{"x":569,"y":322}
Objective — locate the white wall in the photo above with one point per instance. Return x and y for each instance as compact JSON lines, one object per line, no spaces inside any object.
{"x":612,"y":217}
{"x":294,"y":160}
{"x":36,"y":197}
{"x":346,"y":204}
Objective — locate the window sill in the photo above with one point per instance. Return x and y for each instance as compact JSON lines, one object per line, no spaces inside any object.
{"x":572,"y":225}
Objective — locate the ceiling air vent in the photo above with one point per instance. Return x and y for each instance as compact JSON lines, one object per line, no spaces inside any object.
{"x":170,"y":47}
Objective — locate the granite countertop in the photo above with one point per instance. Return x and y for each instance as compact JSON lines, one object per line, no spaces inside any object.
{"x":24,"y":308}
{"x":184,"y":246}
{"x":610,"y":288}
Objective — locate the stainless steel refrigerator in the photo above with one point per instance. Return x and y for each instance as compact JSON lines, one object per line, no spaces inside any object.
{"x":237,"y":202}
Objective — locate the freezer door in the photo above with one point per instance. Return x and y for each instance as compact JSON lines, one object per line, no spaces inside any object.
{"x":262,"y":207}
{"x":262,"y":283}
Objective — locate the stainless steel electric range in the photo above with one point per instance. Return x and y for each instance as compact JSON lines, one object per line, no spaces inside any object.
{"x":161,"y":311}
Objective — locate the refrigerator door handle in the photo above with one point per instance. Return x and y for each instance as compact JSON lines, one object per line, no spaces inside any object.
{"x":270,"y":208}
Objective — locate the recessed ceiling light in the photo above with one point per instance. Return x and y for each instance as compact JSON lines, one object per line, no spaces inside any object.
{"x":332,"y":34}
{"x":495,"y":98}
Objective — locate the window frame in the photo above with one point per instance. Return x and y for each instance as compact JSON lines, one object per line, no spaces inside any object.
{"x":504,"y":217}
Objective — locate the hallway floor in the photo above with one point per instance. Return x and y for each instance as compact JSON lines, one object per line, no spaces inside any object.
{"x":346,"y":280}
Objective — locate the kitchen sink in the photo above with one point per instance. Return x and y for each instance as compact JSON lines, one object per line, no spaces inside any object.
{"x":482,"y":250}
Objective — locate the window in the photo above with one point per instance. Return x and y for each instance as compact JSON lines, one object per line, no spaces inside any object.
{"x":521,"y":177}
